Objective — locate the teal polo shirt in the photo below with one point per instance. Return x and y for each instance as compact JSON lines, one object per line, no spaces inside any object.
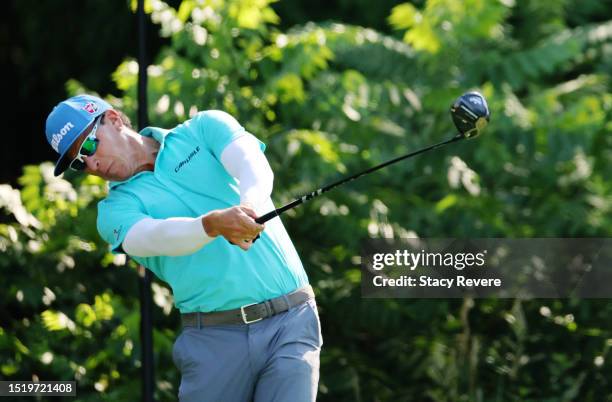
{"x":188,"y":181}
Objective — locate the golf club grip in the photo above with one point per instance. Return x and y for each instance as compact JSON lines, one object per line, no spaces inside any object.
{"x":277,"y":212}
{"x":265,"y":218}
{"x":316,"y":193}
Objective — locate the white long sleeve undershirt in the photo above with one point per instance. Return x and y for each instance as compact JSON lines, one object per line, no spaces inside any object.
{"x":242,"y":159}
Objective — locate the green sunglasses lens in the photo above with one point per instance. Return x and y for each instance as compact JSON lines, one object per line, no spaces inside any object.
{"x":89,"y":146}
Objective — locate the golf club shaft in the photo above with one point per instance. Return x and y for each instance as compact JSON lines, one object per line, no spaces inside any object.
{"x":316,"y":193}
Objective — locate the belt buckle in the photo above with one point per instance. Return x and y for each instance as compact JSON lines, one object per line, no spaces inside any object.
{"x":244,"y":316}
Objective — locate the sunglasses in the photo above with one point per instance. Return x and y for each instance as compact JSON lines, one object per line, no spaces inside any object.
{"x":88,"y":148}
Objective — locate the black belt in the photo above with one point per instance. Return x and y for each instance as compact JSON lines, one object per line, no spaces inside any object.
{"x":249,"y":313}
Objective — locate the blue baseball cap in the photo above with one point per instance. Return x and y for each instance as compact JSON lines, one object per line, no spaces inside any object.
{"x":68,"y":120}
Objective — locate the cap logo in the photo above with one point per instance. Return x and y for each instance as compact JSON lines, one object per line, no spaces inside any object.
{"x":90,"y":107}
{"x":57,"y":137}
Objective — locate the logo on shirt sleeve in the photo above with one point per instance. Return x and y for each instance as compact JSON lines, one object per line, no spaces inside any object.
{"x":117,"y":232}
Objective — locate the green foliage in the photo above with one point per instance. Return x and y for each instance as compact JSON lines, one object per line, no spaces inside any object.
{"x":334,"y":98}
{"x":70,"y":309}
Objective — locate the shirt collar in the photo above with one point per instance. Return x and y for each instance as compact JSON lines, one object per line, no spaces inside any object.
{"x":158,"y":134}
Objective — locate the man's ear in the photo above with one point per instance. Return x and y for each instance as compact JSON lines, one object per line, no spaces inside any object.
{"x":113,"y":117}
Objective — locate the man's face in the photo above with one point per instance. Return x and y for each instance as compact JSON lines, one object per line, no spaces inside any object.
{"x":113,"y":158}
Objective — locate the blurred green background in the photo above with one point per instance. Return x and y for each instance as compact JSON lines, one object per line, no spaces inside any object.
{"x":332,"y":88}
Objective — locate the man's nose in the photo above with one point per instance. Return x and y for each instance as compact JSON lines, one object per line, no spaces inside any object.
{"x":92,"y":163}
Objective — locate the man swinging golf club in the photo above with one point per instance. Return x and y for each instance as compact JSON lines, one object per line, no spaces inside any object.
{"x":183,"y":202}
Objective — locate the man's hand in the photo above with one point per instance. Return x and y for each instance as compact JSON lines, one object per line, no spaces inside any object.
{"x":237,"y":225}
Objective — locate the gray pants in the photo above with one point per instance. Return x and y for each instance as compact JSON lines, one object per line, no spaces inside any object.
{"x":273,"y":360}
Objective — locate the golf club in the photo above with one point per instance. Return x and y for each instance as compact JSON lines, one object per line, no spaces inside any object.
{"x":469,"y":112}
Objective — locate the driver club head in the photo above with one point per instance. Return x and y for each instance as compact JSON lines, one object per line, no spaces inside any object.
{"x":470,"y":114}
